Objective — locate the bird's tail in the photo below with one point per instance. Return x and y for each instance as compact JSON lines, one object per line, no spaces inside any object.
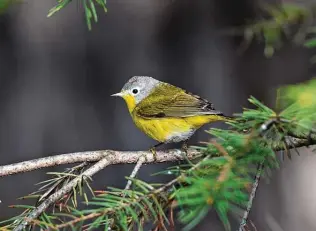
{"x":226,"y":118}
{"x":215,"y":118}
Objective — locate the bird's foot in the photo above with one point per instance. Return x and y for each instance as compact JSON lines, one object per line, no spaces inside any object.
{"x":185,"y":147}
{"x":154,"y":152}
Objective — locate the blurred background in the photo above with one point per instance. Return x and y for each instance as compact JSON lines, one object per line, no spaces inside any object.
{"x":56,"y":79}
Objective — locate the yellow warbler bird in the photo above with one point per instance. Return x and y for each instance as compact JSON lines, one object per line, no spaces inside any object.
{"x":165,"y":112}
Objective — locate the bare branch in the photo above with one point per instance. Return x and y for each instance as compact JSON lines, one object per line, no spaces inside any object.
{"x":134,"y":172}
{"x":101,"y":164}
{"x":255,"y":185}
{"x":114,"y":157}
{"x":106,"y":158}
{"x":118,"y":157}
{"x":153,"y":192}
{"x":291,"y":142}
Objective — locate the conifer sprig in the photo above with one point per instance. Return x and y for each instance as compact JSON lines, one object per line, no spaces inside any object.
{"x":278,"y":23}
{"x":89,"y":7}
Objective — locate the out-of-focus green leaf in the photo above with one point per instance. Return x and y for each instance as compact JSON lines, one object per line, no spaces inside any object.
{"x":304,"y":94}
{"x":299,"y":106}
{"x":277,"y":26}
{"x":5,"y":4}
{"x":310,"y":43}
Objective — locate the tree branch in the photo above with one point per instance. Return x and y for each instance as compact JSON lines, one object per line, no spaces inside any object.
{"x":114,"y":157}
{"x":106,"y":158}
{"x":134,"y":172}
{"x":153,"y":192}
{"x":255,"y":185}
{"x":119,"y":157}
{"x":101,"y":164}
{"x":291,"y":142}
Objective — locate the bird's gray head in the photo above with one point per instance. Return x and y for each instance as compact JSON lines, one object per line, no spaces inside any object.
{"x":139,"y":87}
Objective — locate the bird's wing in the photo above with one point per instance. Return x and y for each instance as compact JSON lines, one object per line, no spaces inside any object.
{"x":169,"y":101}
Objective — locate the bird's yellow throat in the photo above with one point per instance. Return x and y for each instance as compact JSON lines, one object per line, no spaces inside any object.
{"x":130,"y":102}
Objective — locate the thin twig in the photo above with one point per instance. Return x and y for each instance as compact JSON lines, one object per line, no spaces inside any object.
{"x":101,"y":164}
{"x":110,"y":158}
{"x":251,"y":197}
{"x":135,"y":171}
{"x":115,"y":157}
{"x":109,"y":210}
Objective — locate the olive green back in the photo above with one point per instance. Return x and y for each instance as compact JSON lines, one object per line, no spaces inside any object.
{"x":167,"y":100}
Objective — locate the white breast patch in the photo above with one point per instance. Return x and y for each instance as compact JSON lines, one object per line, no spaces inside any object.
{"x":176,"y":137}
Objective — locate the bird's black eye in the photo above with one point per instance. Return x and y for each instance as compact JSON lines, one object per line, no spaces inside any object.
{"x":135,"y":91}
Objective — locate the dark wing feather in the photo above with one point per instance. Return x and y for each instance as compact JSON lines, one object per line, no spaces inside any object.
{"x":170,"y":101}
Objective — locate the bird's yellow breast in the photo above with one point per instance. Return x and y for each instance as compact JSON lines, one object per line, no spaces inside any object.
{"x":167,"y":128}
{"x":171,"y":128}
{"x":162,"y":129}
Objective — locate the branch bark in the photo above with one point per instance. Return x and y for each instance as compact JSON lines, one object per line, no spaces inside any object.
{"x":105,"y":158}
{"x":101,"y":164}
{"x":134,"y":172}
{"x":114,"y":157}
{"x":118,"y":157}
{"x":291,"y":142}
{"x":255,"y":185}
{"x":109,"y":157}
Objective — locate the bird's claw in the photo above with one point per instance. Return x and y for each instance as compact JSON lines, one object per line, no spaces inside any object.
{"x":185,"y":147}
{"x":154,"y":152}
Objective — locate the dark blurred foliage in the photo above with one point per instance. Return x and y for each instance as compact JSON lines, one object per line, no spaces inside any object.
{"x":56,"y":79}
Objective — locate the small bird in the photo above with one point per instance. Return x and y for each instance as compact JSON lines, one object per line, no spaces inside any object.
{"x":165,"y":112}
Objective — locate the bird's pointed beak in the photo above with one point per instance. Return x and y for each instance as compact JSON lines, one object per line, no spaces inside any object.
{"x":120,"y":94}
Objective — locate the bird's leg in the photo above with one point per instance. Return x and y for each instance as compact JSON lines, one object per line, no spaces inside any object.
{"x":153,"y":150}
{"x":185,"y":146}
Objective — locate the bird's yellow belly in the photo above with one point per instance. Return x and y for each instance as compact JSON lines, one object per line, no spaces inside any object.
{"x":171,"y":129}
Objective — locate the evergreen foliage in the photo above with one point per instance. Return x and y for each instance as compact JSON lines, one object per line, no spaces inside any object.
{"x":277,"y":25}
{"x":221,"y":179}
{"x":89,"y":7}
{"x":5,"y":4}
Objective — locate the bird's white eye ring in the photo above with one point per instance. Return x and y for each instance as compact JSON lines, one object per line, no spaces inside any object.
{"x":135,"y":91}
